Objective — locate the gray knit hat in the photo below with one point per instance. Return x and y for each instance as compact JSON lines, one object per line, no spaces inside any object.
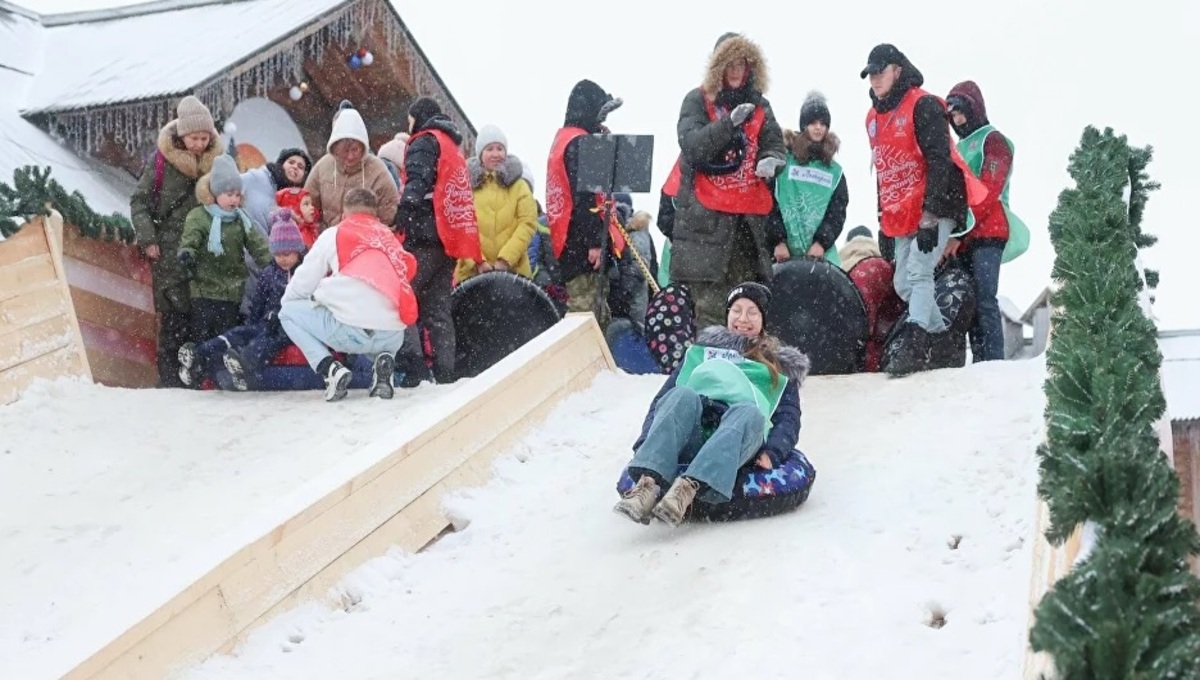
{"x":192,"y":115}
{"x":225,"y":176}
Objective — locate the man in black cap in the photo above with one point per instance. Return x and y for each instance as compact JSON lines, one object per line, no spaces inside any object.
{"x":922,"y":192}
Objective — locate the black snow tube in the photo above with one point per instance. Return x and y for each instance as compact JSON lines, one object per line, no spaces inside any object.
{"x":954,"y":290}
{"x":494,"y":314}
{"x":816,"y":308}
{"x":757,"y":492}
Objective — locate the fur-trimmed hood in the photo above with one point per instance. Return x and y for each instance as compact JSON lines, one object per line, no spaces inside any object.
{"x":204,"y":192}
{"x":794,"y":363}
{"x":731,"y":49}
{"x":185,"y":162}
{"x":805,"y":151}
{"x":507,"y":174}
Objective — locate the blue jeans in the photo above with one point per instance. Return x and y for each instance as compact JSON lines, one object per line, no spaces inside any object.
{"x":914,"y":278}
{"x":675,"y":437}
{"x":257,"y":345}
{"x":987,"y":333}
{"x":315,"y":331}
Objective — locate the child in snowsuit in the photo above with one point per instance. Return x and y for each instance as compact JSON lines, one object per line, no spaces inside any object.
{"x":246,"y":350}
{"x":216,"y":234}
{"x":304,"y":212}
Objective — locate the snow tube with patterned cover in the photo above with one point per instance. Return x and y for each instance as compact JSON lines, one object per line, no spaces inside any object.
{"x":757,"y":492}
{"x":494,"y":314}
{"x":816,"y":309}
{"x":670,"y":325}
{"x":872,"y":276}
{"x":629,"y":349}
{"x":954,"y":291}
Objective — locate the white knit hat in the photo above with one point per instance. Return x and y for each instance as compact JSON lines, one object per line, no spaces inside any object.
{"x":489,"y":134}
{"x":394,"y":150}
{"x":348,"y":124}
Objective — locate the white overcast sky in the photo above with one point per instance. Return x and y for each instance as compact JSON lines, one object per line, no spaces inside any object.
{"x":1046,"y":69}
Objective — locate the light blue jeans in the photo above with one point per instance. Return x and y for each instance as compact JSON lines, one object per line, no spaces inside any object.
{"x":914,"y":278}
{"x":675,"y":436}
{"x":315,"y":331}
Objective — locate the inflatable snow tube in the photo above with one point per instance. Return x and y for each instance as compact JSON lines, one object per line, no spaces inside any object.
{"x":873,"y":277}
{"x":289,"y":371}
{"x":816,"y":308}
{"x":629,"y":348}
{"x":757,"y":492}
{"x":494,"y":314}
{"x":954,"y":291}
{"x":670,"y":325}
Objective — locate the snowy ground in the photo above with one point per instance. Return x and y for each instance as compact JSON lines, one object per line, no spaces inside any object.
{"x":112,"y":500}
{"x":922,"y":511}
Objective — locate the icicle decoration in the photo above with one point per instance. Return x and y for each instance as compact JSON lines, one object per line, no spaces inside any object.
{"x":135,"y":125}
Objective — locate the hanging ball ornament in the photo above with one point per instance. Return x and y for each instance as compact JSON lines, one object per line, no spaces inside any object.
{"x":230,"y":129}
{"x":368,"y":58}
{"x":362,"y":52}
{"x":304,"y":87}
{"x":295,"y":93}
{"x":355,"y":62}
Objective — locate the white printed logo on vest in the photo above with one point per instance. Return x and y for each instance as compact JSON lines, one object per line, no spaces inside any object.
{"x":810,"y":174}
{"x":721,"y":353}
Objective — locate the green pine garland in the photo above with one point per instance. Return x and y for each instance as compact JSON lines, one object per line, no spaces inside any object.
{"x":1128,"y":609}
{"x":32,"y":189}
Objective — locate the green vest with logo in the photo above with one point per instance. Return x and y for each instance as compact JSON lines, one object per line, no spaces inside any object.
{"x":803,"y":192}
{"x":971,"y":147}
{"x":726,"y":376}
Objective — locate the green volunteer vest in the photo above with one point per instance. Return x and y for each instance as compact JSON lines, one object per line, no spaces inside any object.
{"x":971,"y":148}
{"x":803,"y":193}
{"x":726,"y":376}
{"x":664,"y":266}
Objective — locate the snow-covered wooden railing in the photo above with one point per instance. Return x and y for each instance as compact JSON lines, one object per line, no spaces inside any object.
{"x":39,"y":334}
{"x":357,"y":512}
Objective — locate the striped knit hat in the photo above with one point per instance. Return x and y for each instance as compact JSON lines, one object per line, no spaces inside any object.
{"x":285,"y":235}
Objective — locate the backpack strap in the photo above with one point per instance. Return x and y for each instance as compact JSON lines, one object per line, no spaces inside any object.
{"x":160,"y":169}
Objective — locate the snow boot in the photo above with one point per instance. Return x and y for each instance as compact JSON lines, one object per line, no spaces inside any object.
{"x":639,"y":501}
{"x":237,"y":370}
{"x":674,"y":505}
{"x":381,"y":379}
{"x":337,"y":378}
{"x":189,"y":372}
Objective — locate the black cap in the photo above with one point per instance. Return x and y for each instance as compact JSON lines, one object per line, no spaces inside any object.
{"x":881,"y":56}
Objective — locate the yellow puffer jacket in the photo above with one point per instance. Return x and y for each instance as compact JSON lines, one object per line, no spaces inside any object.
{"x":507,"y":216}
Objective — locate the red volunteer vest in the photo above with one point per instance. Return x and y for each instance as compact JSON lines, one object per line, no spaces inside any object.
{"x":371,"y":253}
{"x":453,"y":200}
{"x":741,"y":192}
{"x":900,"y":167}
{"x":671,"y":186}
{"x":560,"y":200}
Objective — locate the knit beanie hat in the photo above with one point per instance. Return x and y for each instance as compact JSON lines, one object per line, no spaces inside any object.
{"x":225,"y":176}
{"x":813,"y":109}
{"x":860,"y":230}
{"x":191,"y":115}
{"x":393,"y":150}
{"x":422,"y":110}
{"x":489,"y":134}
{"x":285,"y":235}
{"x":757,"y":293}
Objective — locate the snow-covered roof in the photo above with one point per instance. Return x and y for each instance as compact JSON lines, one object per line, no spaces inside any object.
{"x":22,"y":143}
{"x":131,"y":54}
{"x":1181,"y":372}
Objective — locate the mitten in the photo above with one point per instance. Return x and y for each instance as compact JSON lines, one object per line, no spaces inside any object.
{"x":768,"y":167}
{"x":740,"y":113}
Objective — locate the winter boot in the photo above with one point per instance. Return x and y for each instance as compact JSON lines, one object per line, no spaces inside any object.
{"x":189,"y":372}
{"x":674,"y":505}
{"x":639,"y":501}
{"x":337,"y":378}
{"x":381,"y":380}
{"x":237,"y":370}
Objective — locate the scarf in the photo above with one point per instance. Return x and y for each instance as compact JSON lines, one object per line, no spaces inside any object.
{"x":214,"y":231}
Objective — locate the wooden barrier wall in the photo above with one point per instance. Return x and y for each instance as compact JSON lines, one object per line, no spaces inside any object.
{"x":396,"y":501}
{"x":39,"y":334}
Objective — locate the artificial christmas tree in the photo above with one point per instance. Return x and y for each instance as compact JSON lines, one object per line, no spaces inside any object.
{"x":1128,"y":607}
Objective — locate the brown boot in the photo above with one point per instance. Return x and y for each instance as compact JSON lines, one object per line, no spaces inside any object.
{"x":674,"y":505}
{"x":639,"y":500}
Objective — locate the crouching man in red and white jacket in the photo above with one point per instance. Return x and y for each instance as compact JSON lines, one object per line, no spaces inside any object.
{"x":352,"y":294}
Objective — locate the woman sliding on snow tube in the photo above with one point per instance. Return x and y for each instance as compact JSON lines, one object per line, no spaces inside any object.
{"x":734,"y":399}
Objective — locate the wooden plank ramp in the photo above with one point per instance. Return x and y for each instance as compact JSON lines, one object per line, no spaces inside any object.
{"x":396,"y":501}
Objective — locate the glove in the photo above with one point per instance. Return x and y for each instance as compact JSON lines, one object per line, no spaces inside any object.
{"x":740,"y":113}
{"x":768,"y":167}
{"x":927,"y":232}
{"x":187,"y":260}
